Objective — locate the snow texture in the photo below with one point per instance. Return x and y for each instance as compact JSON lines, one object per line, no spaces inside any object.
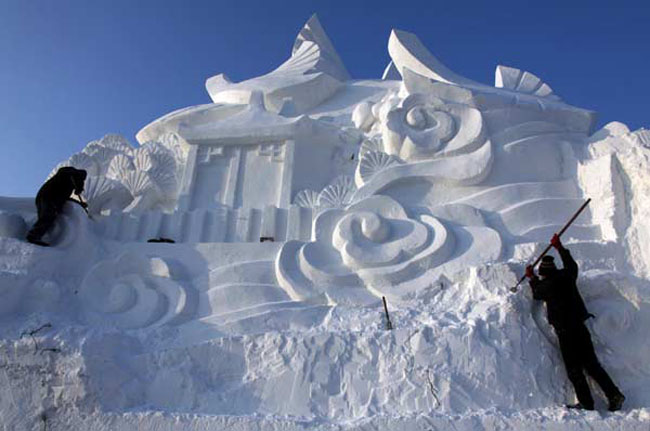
{"x":296,"y":201}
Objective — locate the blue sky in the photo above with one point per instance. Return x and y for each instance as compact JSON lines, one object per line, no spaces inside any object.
{"x":72,"y":71}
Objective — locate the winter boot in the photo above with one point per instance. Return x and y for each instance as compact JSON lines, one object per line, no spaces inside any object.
{"x":37,"y":241}
{"x":616,"y":402}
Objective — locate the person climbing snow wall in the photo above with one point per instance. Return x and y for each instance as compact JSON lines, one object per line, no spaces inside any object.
{"x":51,"y":197}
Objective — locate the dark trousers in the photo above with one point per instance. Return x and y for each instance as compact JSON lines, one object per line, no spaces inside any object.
{"x":579,"y":356}
{"x":47,"y":214}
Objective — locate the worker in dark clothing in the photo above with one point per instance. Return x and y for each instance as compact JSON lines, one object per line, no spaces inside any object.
{"x":566,"y":312}
{"x":51,"y":197}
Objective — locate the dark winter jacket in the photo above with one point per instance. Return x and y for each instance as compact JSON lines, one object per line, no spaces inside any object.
{"x":564,"y":305}
{"x":58,"y":189}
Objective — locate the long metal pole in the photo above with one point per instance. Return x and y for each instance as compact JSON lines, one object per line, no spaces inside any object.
{"x":566,"y":226}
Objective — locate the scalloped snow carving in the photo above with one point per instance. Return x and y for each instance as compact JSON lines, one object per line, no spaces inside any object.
{"x":120,"y":167}
{"x":149,"y":173}
{"x":142,"y":159}
{"x":116,"y":142}
{"x":138,"y":183}
{"x":84,"y":161}
{"x":133,"y":291}
{"x":371,"y":164}
{"x":92,"y":147}
{"x":641,"y":137}
{"x":104,"y":193}
{"x":521,"y":81}
{"x":373,"y":144}
{"x":338,"y":194}
{"x":159,"y":157}
{"x":164,"y":178}
{"x":102,"y":155}
{"x":306,"y":199}
{"x":176,"y":145}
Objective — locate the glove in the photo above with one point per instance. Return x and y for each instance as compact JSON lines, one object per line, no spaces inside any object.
{"x":530,"y":272}
{"x":555,"y":242}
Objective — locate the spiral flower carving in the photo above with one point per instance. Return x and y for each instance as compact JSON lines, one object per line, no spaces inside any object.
{"x":132,"y":291}
{"x":423,"y":126}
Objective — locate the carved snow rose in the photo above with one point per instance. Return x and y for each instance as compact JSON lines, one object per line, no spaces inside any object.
{"x":422,"y":126}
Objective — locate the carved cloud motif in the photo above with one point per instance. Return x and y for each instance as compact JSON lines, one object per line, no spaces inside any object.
{"x":359,"y":250}
{"x":133,"y":291}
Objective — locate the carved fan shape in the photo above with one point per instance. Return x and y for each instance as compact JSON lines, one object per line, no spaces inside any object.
{"x":120,"y":167}
{"x":117,"y":143}
{"x":97,"y":187}
{"x":344,"y":181}
{"x":369,"y":145}
{"x":92,"y":147}
{"x":306,"y":199}
{"x":374,"y":162}
{"x":103,"y":156}
{"x":160,"y":155}
{"x":155,"y":147}
{"x":164,"y":178}
{"x":84,"y":161}
{"x":138,"y":182}
{"x":164,"y":161}
{"x":338,"y":194}
{"x":176,"y":146}
{"x":142,"y":159}
{"x":521,"y":81}
{"x":642,"y":136}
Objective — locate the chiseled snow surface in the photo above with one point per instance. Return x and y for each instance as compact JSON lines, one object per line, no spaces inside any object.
{"x":464,"y":354}
{"x":102,"y":335}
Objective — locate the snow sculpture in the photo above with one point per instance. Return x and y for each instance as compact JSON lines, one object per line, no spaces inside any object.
{"x":371,"y":243}
{"x":132,"y":291}
{"x":296,"y":200}
{"x":134,"y":180}
{"x":312,"y":74}
{"x":273,"y":155}
{"x":423,"y":125}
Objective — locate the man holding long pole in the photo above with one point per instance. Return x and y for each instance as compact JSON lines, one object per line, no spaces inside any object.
{"x":566,"y":312}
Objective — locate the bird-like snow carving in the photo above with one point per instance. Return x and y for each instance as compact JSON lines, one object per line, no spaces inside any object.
{"x":313,"y":73}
